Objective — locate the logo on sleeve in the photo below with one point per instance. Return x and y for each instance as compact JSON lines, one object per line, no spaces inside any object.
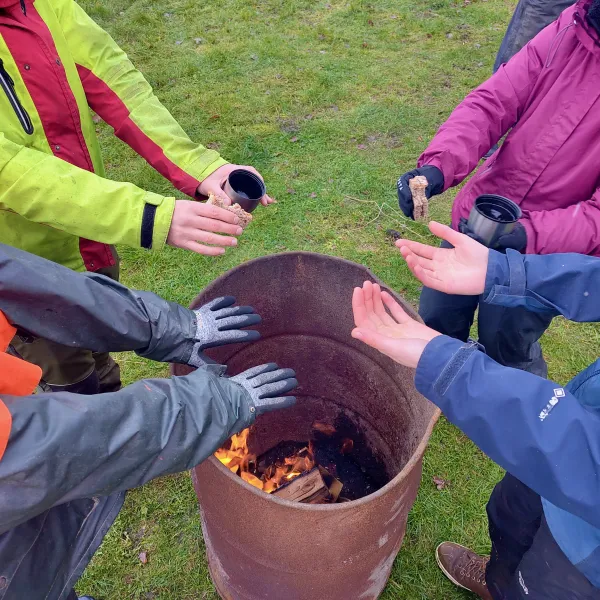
{"x":558,"y":394}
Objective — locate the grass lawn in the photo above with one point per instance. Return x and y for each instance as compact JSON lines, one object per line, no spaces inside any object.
{"x":331,"y":100}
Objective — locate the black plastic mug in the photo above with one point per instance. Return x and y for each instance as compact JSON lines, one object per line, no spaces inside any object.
{"x":245,"y":188}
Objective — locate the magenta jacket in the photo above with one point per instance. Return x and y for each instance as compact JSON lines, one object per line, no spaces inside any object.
{"x":548,"y":98}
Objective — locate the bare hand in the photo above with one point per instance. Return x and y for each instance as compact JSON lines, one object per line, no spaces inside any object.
{"x":195,"y":226}
{"x":215,"y":182}
{"x":398,"y":336}
{"x":460,"y":270}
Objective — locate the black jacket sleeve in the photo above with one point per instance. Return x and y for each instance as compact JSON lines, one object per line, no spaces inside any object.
{"x":86,"y":310}
{"x":65,"y":446}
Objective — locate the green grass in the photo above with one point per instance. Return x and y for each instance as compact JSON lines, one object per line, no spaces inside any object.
{"x":329,"y":100}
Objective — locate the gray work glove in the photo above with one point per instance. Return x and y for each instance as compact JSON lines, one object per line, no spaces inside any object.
{"x":219,"y":323}
{"x":266,"y":385}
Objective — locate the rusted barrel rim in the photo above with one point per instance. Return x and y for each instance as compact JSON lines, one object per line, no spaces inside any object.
{"x":417,"y":455}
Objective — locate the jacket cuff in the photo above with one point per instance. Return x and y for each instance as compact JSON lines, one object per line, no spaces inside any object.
{"x":435,"y":161}
{"x":206,"y":165}
{"x":439,"y":365}
{"x":505,"y":276}
{"x":243,"y":406}
{"x":162,"y":222}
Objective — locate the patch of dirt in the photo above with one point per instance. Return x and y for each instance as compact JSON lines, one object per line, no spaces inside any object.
{"x":288,"y":126}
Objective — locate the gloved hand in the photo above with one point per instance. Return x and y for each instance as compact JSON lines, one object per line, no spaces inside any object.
{"x":463,"y":227}
{"x":435,"y":178}
{"x":266,"y":384}
{"x":219,"y":323}
{"x":516,"y":239}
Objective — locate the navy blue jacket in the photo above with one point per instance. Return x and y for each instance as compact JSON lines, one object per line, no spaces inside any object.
{"x":545,"y":435}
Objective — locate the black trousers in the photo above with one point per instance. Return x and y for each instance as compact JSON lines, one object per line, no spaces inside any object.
{"x":526,"y":563}
{"x":509,"y":335}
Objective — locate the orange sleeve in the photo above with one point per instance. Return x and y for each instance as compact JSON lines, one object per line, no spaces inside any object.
{"x":5,"y":425}
{"x":7,"y":332}
{"x":17,"y":377}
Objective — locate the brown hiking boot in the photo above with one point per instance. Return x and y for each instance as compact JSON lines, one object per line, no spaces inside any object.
{"x":463,"y":568}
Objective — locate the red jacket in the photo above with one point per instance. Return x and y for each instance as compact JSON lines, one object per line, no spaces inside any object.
{"x":548,"y":96}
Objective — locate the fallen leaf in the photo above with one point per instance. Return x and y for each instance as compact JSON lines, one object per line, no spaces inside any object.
{"x":294,"y":139}
{"x":313,"y":195}
{"x":291,"y":191}
{"x":440,"y":483}
{"x":365,"y":45}
{"x":213,"y":117}
{"x":143,"y":558}
{"x":370,"y":22}
{"x":361,"y":147}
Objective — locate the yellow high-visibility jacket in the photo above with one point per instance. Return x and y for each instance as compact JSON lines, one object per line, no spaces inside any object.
{"x":56,"y":64}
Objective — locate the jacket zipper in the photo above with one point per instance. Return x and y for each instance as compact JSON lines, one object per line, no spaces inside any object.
{"x":8,"y":85}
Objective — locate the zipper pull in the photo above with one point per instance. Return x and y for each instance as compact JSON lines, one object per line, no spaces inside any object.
{"x":24,"y":7}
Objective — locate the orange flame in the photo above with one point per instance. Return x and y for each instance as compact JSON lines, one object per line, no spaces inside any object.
{"x":238,"y":459}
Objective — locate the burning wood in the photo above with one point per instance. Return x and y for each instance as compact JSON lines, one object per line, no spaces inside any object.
{"x":295,"y":476}
{"x":308,"y":488}
{"x":316,"y":486}
{"x":268,"y":478}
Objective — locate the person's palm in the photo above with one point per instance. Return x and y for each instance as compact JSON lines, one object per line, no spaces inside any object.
{"x":397,"y":335}
{"x":458,"y":270}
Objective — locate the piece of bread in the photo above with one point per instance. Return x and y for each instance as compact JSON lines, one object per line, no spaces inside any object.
{"x":236,"y":209}
{"x":417,"y":186}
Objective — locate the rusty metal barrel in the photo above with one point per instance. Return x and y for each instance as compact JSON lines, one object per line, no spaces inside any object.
{"x":261,"y":547}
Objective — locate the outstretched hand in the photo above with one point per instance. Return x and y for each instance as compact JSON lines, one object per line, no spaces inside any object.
{"x":394,"y":334}
{"x":459,"y":270}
